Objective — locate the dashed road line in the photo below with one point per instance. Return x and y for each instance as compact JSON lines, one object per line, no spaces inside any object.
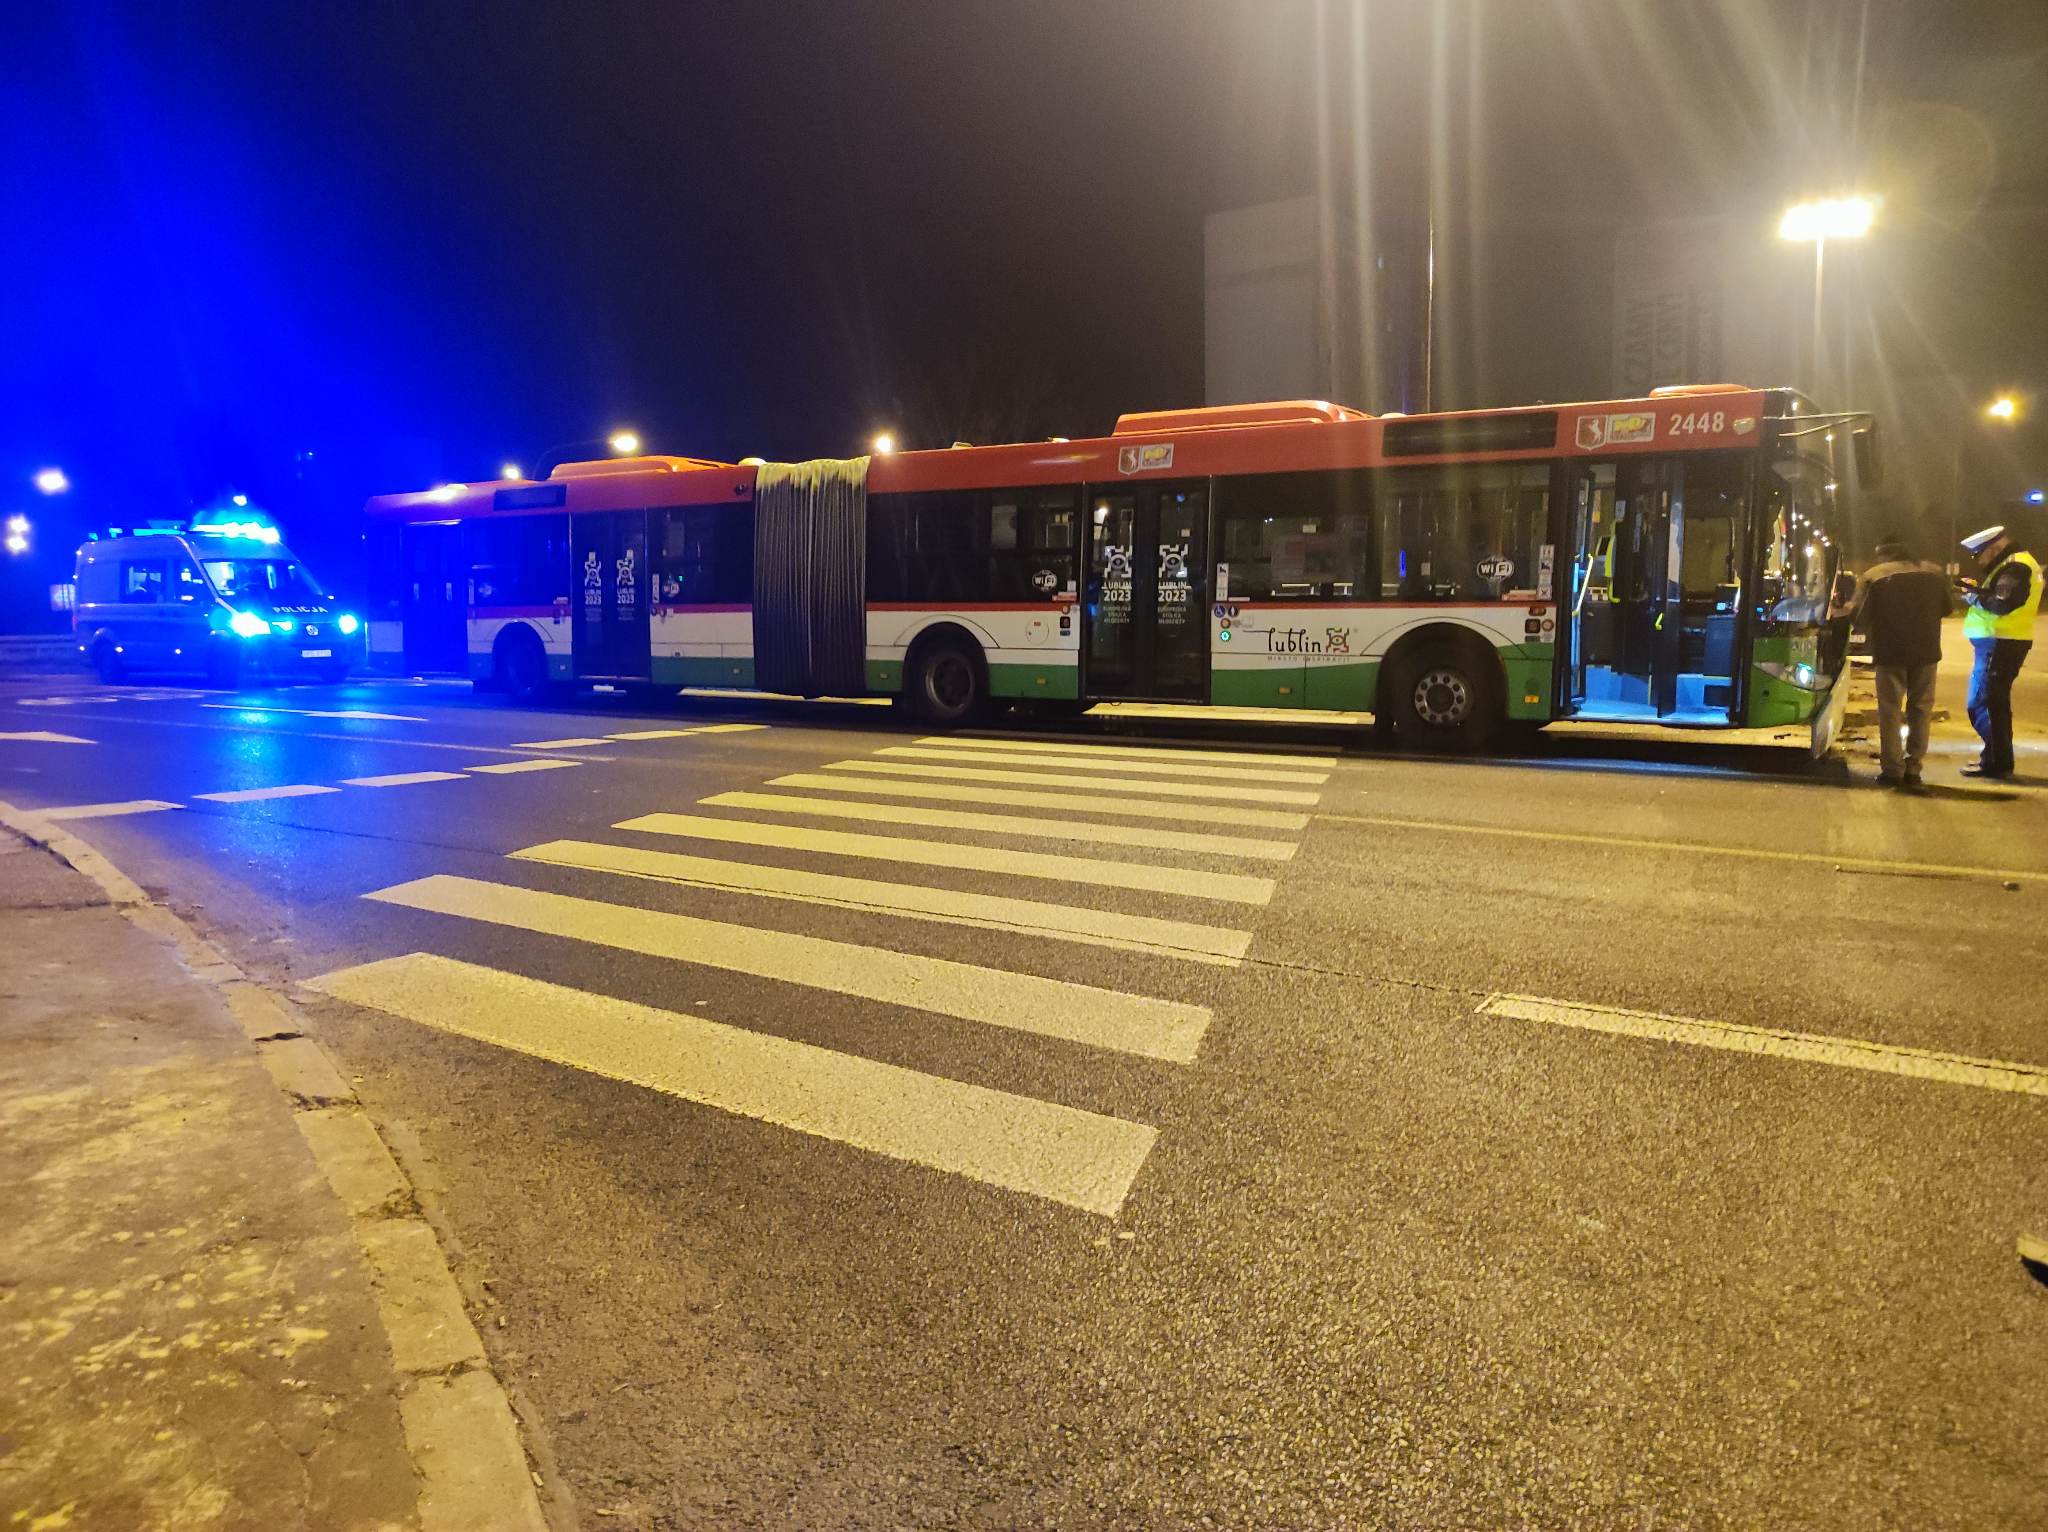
{"x":403,"y":779}
{"x":575,"y":742}
{"x":1809,"y":1047}
{"x":1081,"y":1159}
{"x":45,"y":737}
{"x":1097,"y":872}
{"x":1026,"y":798}
{"x":1107,"y":763}
{"x":1204,"y":790}
{"x":1011,"y":824}
{"x":1101,"y":1018}
{"x":312,"y":712}
{"x":1104,"y":928}
{"x":264,"y":794}
{"x":511,"y":768}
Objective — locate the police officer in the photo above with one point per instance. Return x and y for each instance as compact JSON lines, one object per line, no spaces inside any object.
{"x":2000,"y":628}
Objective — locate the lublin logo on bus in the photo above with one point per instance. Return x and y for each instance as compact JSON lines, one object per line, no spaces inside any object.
{"x":1297,"y":641}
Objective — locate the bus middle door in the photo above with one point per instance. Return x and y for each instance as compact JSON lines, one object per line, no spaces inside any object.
{"x":609,"y":608}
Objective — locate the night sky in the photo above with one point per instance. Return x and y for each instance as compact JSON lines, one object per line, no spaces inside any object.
{"x":416,"y":240}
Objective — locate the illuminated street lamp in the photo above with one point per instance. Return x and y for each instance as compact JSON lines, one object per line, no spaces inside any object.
{"x":2003,"y":411}
{"x":1831,"y":218}
{"x":2004,"y":407}
{"x":509,"y":471}
{"x":625,"y":443}
{"x":17,"y":535}
{"x":51,"y":481}
{"x":884,"y":444}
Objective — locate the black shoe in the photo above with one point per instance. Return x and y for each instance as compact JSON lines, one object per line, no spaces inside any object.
{"x":1886,"y":779}
{"x":1977,"y":769}
{"x":1911,"y":782}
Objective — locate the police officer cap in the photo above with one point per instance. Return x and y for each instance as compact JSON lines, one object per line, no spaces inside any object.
{"x":1977,"y":542}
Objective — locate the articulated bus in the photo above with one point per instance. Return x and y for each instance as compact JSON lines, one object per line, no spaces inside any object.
{"x":1665,"y":560}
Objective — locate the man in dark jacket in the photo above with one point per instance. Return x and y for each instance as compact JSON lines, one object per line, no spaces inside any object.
{"x":1903,"y":602}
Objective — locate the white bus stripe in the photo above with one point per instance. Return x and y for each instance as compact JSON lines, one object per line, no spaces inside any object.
{"x":1081,"y":1159}
{"x":106,"y":810}
{"x":1112,"y":747}
{"x":1105,"y":763}
{"x":261,"y":794}
{"x":1231,"y":887}
{"x":1080,"y":1013}
{"x":403,"y":779}
{"x":1104,"y":928}
{"x":1012,"y":824}
{"x":1845,"y":1052}
{"x":1092,"y":784}
{"x":1025,"y":798}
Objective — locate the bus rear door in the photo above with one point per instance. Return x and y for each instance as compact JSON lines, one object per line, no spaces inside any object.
{"x":610,"y":552}
{"x":1147,"y":625}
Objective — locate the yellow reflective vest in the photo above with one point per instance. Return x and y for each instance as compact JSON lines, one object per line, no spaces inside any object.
{"x":2017,"y":623}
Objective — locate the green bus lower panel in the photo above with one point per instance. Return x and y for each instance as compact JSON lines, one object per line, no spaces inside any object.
{"x":1280,"y":685}
{"x":702,"y":670}
{"x":1343,"y":688}
{"x":1774,"y":702}
{"x":1528,"y":668}
{"x":885,"y":675}
{"x":1058,"y":682}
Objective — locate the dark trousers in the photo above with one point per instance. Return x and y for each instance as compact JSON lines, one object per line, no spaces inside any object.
{"x":1991,"y":678}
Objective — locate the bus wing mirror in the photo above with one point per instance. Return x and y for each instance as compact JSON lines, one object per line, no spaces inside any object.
{"x":1863,"y":446}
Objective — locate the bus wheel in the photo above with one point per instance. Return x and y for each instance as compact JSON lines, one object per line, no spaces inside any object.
{"x":107,"y":662}
{"x":522,"y":667}
{"x":946,"y":684}
{"x":1445,"y":698}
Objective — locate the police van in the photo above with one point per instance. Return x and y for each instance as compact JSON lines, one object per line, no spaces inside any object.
{"x":220,"y":597}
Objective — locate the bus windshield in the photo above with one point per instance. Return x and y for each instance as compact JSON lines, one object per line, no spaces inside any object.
{"x":276,"y":581}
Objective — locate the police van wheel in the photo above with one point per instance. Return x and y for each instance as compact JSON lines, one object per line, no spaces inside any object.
{"x":1444,"y":698}
{"x":947,"y":685}
{"x":107,"y":663}
{"x":224,"y":669}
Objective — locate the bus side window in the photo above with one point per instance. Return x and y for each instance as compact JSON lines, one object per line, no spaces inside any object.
{"x":1030,"y":544}
{"x":1297,"y":536}
{"x":142,"y":580}
{"x":707,"y":556}
{"x":1462,"y":532}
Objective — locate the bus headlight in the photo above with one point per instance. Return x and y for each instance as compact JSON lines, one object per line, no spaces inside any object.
{"x":347,"y":624}
{"x":1801,"y":675}
{"x":248,"y":625}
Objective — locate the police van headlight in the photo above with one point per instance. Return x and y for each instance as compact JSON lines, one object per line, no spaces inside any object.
{"x":347,"y":623}
{"x":248,"y":625}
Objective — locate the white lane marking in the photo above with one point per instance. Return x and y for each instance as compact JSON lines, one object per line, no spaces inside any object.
{"x":1845,"y":1052}
{"x":651,"y":734}
{"x":1104,"y":763}
{"x":1141,"y":752}
{"x":1093,"y":784}
{"x":1080,"y":1013}
{"x":403,"y":779}
{"x":1102,"y":928}
{"x":1011,"y":824}
{"x":1231,"y":887}
{"x":311,"y":712}
{"x":507,"y":768}
{"x":45,"y":737}
{"x":1025,"y":798}
{"x":107,"y":810}
{"x":262,"y":794}
{"x":728,"y":728}
{"x":1080,"y":1159}
{"x":574,"y":743}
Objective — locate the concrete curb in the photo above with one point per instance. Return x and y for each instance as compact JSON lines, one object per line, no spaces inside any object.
{"x":459,"y":1426}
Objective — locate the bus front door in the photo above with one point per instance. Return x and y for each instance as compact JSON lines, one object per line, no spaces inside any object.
{"x":610,"y":622}
{"x":1147,"y":624}
{"x":435,"y":605}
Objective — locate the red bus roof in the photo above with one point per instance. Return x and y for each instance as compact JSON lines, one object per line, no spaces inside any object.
{"x":1282,"y":437}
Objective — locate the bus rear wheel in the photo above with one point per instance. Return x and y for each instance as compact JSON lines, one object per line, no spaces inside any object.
{"x":1445,"y":698}
{"x":522,"y":668}
{"x":947,"y":686}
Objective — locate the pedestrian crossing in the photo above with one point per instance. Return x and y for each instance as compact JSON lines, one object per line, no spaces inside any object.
{"x":1184,"y":834}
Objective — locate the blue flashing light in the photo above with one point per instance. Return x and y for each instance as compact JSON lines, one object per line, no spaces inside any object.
{"x":347,"y":623}
{"x":251,"y":531}
{"x":248,"y":625}
{"x":2036,"y":496}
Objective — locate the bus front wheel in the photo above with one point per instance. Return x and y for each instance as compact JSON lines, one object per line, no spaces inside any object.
{"x":1444,"y":697}
{"x":947,"y":685}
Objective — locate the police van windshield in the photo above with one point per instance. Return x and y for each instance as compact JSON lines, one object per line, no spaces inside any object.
{"x":277,"y":581}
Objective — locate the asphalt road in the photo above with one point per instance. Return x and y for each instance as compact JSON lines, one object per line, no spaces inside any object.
{"x":1173,"y":1150}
